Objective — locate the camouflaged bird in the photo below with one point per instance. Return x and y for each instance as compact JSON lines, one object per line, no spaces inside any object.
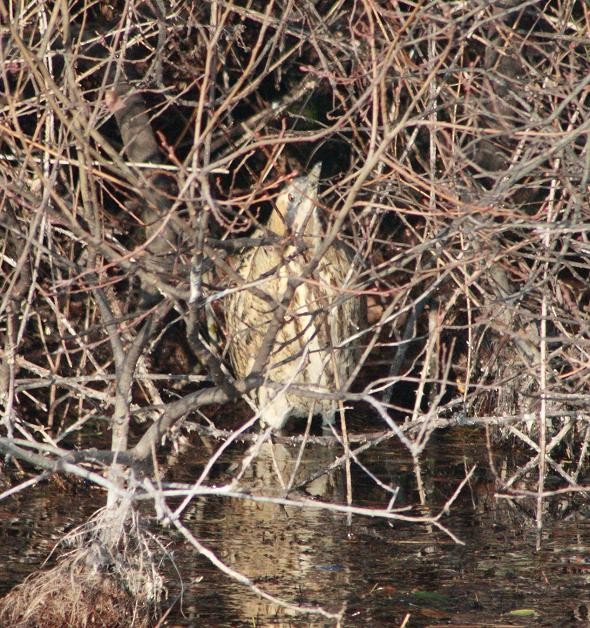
{"x":314,"y":349}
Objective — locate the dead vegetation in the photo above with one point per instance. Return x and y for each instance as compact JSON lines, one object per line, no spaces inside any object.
{"x":142,"y":143}
{"x":91,"y":585}
{"x":70,"y":595}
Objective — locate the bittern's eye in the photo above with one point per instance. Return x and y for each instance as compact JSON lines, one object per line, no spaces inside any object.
{"x":291,"y":197}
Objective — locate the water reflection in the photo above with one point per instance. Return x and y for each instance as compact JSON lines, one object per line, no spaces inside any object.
{"x":310,"y":556}
{"x":284,"y":549}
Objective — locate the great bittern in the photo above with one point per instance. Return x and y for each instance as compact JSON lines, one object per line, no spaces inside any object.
{"x":314,"y":348}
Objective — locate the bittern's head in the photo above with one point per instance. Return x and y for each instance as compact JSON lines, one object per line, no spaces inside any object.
{"x":297,"y":206}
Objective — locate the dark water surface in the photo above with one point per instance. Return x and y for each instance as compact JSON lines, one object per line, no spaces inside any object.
{"x":380,"y":572}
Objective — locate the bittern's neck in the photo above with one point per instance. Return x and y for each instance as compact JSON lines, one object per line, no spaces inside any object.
{"x":277,"y":223}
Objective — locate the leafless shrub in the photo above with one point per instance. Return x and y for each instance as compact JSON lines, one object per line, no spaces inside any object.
{"x":142,"y":145}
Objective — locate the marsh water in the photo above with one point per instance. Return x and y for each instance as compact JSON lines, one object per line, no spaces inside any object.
{"x":380,"y":572}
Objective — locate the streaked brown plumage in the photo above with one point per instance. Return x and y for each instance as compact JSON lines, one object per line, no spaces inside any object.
{"x":314,"y":348}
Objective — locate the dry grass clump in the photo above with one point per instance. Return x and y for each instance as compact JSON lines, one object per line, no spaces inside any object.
{"x":73,"y":594}
{"x":95,"y":583}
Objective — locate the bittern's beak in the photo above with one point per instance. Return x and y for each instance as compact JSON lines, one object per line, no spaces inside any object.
{"x":301,"y":198}
{"x":313,"y":178}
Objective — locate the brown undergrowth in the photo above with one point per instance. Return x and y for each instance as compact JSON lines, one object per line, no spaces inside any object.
{"x":72,"y":594}
{"x":91,"y":584}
